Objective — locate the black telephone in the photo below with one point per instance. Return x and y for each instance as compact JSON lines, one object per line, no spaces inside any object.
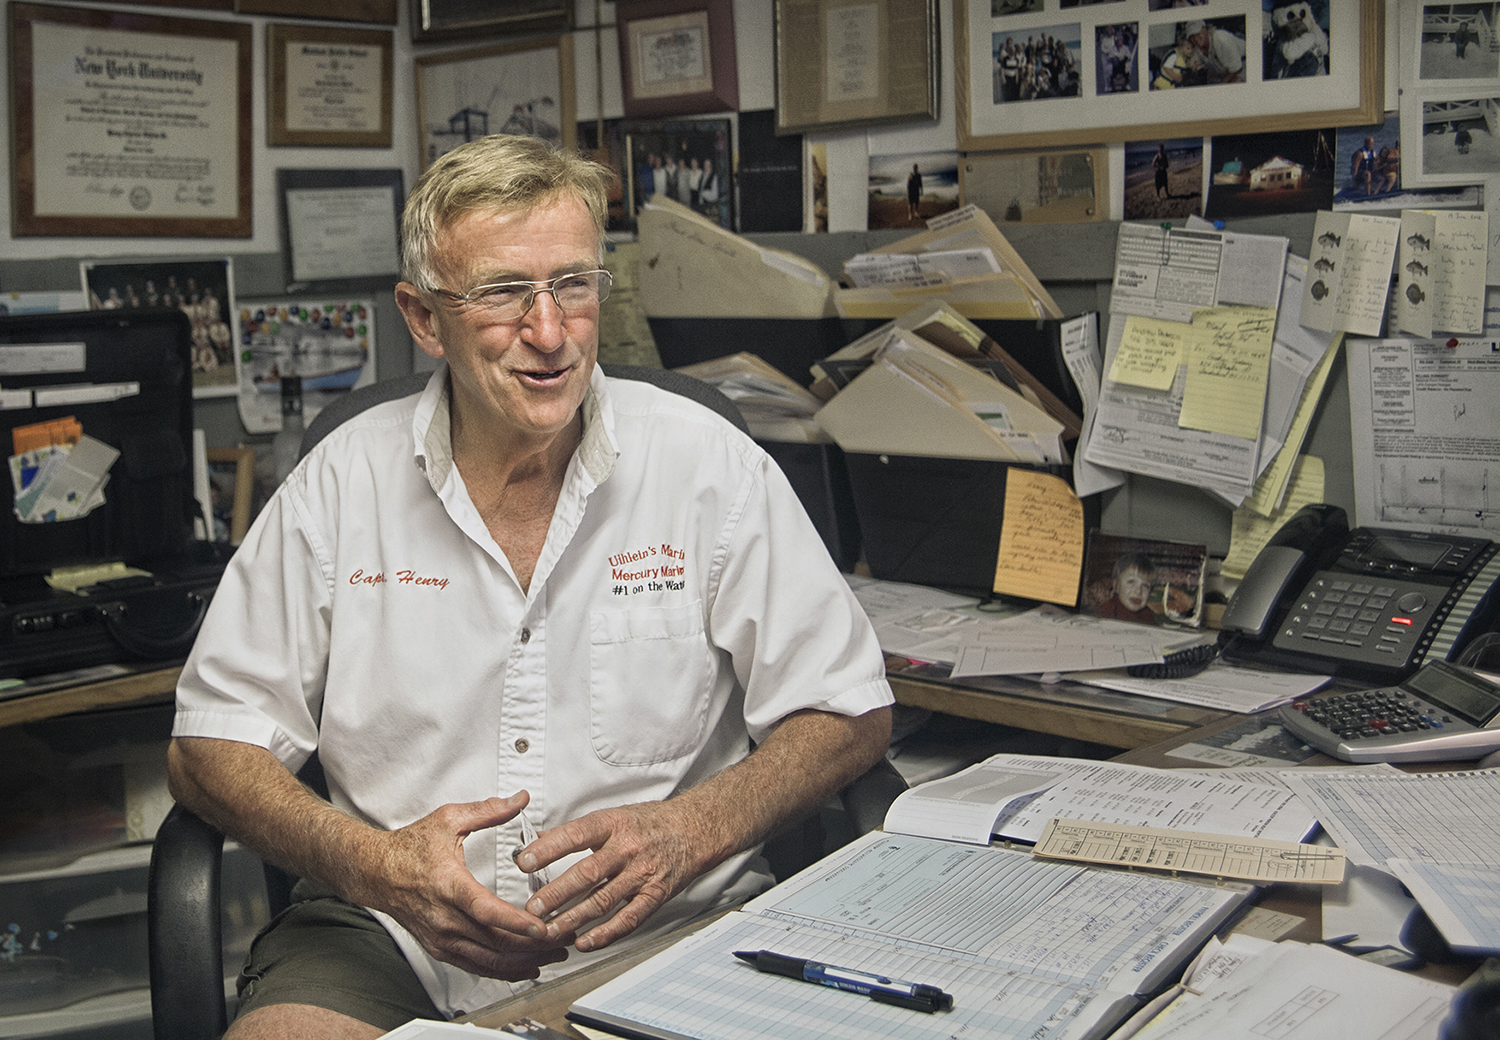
{"x":1369,"y":603}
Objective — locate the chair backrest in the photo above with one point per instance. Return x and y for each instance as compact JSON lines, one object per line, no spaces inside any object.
{"x":356,"y":401}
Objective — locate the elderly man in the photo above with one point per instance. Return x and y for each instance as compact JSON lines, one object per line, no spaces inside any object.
{"x":532,"y":620}
{"x":1222,"y":52}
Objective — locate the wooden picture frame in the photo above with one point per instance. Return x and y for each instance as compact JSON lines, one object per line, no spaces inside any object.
{"x":242,"y":463}
{"x":522,"y":87}
{"x":340,"y":229}
{"x":379,"y":12}
{"x":433,"y":20}
{"x":184,"y":171}
{"x":677,"y":57}
{"x":328,"y":86}
{"x":1347,"y":87}
{"x":847,"y":65}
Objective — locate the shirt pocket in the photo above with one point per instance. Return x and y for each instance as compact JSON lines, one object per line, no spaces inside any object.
{"x":651,"y":675}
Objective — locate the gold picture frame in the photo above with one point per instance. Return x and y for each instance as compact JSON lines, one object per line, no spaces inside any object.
{"x":1348,"y":91}
{"x":328,"y":86}
{"x":524,"y":88}
{"x":243,"y":462}
{"x":677,"y":57}
{"x":847,"y":65}
{"x":86,"y":162}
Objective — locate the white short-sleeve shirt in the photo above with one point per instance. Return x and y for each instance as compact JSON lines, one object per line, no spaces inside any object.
{"x":681,"y":606}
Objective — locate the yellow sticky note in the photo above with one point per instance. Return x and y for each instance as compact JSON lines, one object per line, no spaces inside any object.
{"x":1150,"y":351}
{"x":1249,"y":531}
{"x":1041,"y":540}
{"x":1271,"y":488}
{"x":1228,"y":363}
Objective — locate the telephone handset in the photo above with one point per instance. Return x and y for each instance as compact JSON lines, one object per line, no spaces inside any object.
{"x":1370,"y":603}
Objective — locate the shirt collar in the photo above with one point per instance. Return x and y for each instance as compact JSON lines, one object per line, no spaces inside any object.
{"x":432,"y":430}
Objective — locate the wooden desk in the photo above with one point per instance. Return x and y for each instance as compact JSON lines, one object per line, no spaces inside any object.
{"x":147,"y":683}
{"x":1065,"y":709}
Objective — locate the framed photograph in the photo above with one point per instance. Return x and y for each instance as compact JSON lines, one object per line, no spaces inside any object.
{"x":202,"y":289}
{"x":686,"y":160}
{"x":509,"y":88}
{"x":328,"y":86}
{"x":466,"y":19}
{"x":1148,"y":582}
{"x":340,"y":229}
{"x":1065,"y":186}
{"x":1450,"y":94}
{"x":231,"y":488}
{"x":841,"y":64}
{"x":1164,"y":179}
{"x":905,"y":191}
{"x":1081,"y":75}
{"x":677,"y":57}
{"x":155,"y":142}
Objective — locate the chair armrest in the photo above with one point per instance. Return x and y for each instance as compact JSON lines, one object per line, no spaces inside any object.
{"x":186,"y":952}
{"x":868,"y":797}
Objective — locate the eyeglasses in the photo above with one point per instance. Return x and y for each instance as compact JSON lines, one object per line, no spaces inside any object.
{"x":508,"y":301}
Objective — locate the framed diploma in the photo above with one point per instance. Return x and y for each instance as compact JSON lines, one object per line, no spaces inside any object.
{"x":677,"y":57}
{"x":505,"y":88}
{"x":340,"y":228}
{"x":466,"y":19}
{"x":840,"y":64}
{"x":328,"y":86}
{"x":129,"y":124}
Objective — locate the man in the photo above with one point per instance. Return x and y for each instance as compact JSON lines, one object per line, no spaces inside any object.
{"x":527,"y":588}
{"x":913,"y":193}
{"x":1222,"y":52}
{"x":1161,"y":164}
{"x":1461,"y":39}
{"x":1362,"y":168}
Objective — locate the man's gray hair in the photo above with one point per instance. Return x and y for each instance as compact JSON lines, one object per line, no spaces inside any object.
{"x":500,"y":173}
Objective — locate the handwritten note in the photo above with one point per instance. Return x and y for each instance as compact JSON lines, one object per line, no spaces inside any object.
{"x":1349,"y":274}
{"x":1227,"y":367}
{"x":1041,"y":539}
{"x":1441,"y":272}
{"x":1150,"y":352}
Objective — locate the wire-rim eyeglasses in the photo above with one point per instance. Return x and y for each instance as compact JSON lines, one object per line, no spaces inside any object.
{"x":507,"y":301}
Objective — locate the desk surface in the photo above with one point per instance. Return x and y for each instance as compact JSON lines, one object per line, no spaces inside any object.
{"x":148,"y":683}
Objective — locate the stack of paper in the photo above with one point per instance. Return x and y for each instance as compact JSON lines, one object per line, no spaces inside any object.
{"x":961,"y":258}
{"x":774,"y":407}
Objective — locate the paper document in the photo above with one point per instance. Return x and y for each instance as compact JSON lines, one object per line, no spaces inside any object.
{"x":1041,"y":539}
{"x":1010,"y":796}
{"x":1379,"y":815}
{"x":1249,"y":531}
{"x":1440,"y":272}
{"x":1271,"y":486}
{"x":1047,"y":639}
{"x":1351,"y":272}
{"x":1150,"y":351}
{"x":1463,"y":901}
{"x":918,"y":622}
{"x":1424,"y":418}
{"x":1227,"y":364}
{"x":1027,"y":948}
{"x":1220,"y":686}
{"x":1080,"y":350}
{"x":1295,"y":991}
{"x":1153,"y":848}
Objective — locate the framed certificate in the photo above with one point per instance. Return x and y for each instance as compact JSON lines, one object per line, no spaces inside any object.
{"x":328,"y":86}
{"x":677,"y":57}
{"x":340,"y":228}
{"x":129,"y":124}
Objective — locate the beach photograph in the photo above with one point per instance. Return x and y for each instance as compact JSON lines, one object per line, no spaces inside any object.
{"x":907,"y":190}
{"x":1164,"y":179}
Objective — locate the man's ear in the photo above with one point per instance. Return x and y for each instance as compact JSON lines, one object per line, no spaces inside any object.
{"x":419,"y":319}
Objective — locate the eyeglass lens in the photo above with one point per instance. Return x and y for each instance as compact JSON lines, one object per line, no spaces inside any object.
{"x":573,"y":292}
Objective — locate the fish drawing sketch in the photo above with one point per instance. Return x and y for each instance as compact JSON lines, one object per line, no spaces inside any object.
{"x":1328,"y":238}
{"x":1416,"y":268}
{"x":1319,"y":289}
{"x":1417,"y":241}
{"x":1323,"y":264}
{"x":1414,"y":293}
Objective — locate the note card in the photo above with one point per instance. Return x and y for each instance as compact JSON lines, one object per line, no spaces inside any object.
{"x":1227,"y":368}
{"x":1441,"y":272}
{"x":1150,"y":352}
{"x":1041,"y":539}
{"x":1217,"y":855}
{"x":1350,"y":272}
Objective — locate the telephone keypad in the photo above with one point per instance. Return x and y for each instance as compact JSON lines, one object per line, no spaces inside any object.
{"x":1356,"y":621}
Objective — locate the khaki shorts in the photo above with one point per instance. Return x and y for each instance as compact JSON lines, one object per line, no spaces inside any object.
{"x":334,"y":955}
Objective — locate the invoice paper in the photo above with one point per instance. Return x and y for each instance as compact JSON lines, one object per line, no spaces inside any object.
{"x":1425,"y":422}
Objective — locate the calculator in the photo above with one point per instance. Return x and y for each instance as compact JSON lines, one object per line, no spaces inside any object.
{"x":1443,"y":712}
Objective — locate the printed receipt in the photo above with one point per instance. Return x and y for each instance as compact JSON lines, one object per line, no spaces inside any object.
{"x":1217,"y":855}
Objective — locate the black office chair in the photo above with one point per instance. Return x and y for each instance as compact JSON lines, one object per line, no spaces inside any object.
{"x":186,"y":958}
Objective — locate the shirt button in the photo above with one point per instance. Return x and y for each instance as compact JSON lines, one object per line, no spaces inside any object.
{"x":525,"y":636}
{"x":522,"y":745}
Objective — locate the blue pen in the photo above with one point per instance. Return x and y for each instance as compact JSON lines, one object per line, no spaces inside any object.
{"x":914,"y":995}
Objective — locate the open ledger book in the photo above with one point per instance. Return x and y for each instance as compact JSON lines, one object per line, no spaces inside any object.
{"x":1027,"y":947}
